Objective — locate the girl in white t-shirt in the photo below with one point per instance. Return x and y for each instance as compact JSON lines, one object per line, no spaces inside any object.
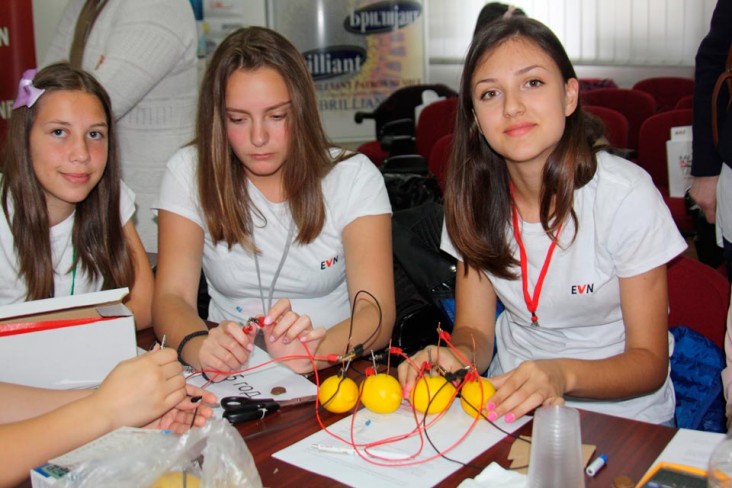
{"x":283,"y":227}
{"x":574,"y":242}
{"x":66,"y":226}
{"x":61,"y":233}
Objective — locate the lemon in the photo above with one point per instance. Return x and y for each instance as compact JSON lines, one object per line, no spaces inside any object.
{"x":432,"y":394}
{"x":381,"y":393}
{"x":475,"y":394}
{"x":174,"y":479}
{"x":338,"y":394}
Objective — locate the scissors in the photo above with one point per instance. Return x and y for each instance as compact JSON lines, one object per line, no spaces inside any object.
{"x":241,"y":408}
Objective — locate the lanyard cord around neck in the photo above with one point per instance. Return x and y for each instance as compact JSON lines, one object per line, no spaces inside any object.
{"x":532,"y":302}
{"x":285,"y":252}
{"x":73,"y":271}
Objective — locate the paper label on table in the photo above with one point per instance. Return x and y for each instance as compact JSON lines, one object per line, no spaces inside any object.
{"x":258,"y":380}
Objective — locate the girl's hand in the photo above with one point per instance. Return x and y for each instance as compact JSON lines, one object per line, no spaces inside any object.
{"x":286,"y":332}
{"x":226,"y":349}
{"x":532,"y":384}
{"x":180,"y":418}
{"x":141,"y":389}
{"x":442,"y":356}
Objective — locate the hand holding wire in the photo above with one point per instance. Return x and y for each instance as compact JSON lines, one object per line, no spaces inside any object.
{"x":141,"y":389}
{"x":226,"y":348}
{"x":441,"y":357}
{"x":286,"y":332}
{"x":193,"y":410}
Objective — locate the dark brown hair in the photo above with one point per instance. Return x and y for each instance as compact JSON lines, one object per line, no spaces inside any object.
{"x":221,"y":177}
{"x":477,"y":199}
{"x":97,"y":237}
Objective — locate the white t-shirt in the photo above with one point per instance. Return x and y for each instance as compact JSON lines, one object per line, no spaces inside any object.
{"x":14,"y":290}
{"x":625,"y":229}
{"x":724,"y":205}
{"x":313,"y":276}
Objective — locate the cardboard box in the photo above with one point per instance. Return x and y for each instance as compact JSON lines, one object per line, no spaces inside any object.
{"x":66,"y":342}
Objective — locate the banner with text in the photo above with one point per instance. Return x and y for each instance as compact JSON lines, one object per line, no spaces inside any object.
{"x":17,"y":52}
{"x":358,"y":52}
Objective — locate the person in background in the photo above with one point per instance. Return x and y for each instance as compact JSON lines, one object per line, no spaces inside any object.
{"x":285,"y":227}
{"x":573,"y":240}
{"x":66,"y":225}
{"x":493,"y":11}
{"x":711,"y":166}
{"x":39,"y":424}
{"x":144,"y":54}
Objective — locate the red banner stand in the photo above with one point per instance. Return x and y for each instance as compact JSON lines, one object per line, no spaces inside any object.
{"x":17,"y":52}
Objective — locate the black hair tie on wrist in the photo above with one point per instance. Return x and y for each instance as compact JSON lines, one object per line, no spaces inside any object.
{"x":185,"y":340}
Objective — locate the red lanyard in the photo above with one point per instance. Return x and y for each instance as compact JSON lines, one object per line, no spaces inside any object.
{"x":532,"y":302}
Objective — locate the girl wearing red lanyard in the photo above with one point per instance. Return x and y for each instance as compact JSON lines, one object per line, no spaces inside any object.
{"x":573,"y":240}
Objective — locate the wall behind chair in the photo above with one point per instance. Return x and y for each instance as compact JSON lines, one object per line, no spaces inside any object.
{"x":623,"y":40}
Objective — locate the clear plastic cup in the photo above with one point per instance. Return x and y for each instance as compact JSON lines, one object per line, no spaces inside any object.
{"x":556,"y":449}
{"x":720,"y":465}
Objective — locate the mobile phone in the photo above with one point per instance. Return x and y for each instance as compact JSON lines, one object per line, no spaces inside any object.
{"x":668,"y":475}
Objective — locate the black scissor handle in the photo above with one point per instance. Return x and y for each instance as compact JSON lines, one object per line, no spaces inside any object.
{"x":236,"y":416}
{"x":232,"y":403}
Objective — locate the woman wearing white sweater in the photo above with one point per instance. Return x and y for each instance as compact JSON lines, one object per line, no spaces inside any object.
{"x":144,"y":54}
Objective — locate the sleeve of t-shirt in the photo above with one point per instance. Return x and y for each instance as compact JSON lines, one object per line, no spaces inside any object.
{"x":447,"y":245}
{"x":641,"y":233}
{"x":358,"y":190}
{"x":126,"y":203}
{"x":178,"y":189}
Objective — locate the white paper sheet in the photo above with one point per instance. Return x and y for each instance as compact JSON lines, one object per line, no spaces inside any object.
{"x":258,"y":383}
{"x":368,"y":427}
{"x":690,"y":448}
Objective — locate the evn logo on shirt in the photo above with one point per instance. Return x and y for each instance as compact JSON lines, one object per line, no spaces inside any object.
{"x":585,"y":289}
{"x":328,"y":262}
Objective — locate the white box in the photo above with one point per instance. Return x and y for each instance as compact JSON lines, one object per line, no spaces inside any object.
{"x":66,"y":342}
{"x":678,"y":157}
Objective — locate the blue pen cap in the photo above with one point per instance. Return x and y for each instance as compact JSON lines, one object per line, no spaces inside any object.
{"x":197,"y":6}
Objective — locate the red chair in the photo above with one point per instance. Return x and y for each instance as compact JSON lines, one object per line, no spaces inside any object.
{"x":440,"y":158}
{"x":666,"y":90}
{"x":698,"y":297}
{"x":652,"y":157}
{"x":635,"y":105}
{"x":436,"y":120}
{"x":616,"y":125}
{"x":373,"y":151}
{"x":685,"y":102}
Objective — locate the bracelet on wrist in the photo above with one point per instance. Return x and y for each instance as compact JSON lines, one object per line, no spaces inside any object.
{"x":185,"y":340}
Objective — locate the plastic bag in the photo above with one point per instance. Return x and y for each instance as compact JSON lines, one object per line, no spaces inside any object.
{"x":141,"y":460}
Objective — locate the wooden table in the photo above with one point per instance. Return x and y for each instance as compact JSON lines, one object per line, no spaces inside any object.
{"x":631,"y":446}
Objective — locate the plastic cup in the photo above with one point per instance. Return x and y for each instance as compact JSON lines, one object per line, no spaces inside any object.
{"x":556,"y":449}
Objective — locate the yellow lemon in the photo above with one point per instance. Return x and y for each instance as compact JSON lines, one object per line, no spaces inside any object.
{"x":174,"y":479}
{"x":338,"y":394}
{"x":475,"y":394}
{"x":381,"y":393}
{"x":432,"y":394}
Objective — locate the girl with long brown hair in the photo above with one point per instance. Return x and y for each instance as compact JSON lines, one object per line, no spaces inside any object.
{"x":66,"y":226}
{"x":285,"y":227}
{"x":572,"y":240}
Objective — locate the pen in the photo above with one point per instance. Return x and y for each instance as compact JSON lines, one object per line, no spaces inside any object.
{"x":348,"y":450}
{"x":596,"y":465}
